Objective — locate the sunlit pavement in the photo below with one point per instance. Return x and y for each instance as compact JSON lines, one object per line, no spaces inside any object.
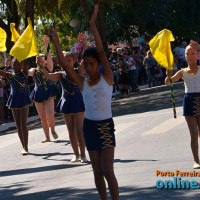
{"x":148,"y":139}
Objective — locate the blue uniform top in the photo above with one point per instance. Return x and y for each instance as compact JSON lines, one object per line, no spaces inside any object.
{"x":41,"y":92}
{"x":19,"y":95}
{"x":71,"y":101}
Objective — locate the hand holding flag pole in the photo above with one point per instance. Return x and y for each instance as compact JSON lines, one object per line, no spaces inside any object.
{"x":161,"y":50}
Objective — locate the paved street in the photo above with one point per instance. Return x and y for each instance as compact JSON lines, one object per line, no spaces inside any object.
{"x":148,"y":139}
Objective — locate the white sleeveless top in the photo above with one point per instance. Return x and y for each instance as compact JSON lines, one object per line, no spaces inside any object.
{"x":97,"y":100}
{"x":191,"y":82}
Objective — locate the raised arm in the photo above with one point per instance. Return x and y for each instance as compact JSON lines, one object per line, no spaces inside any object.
{"x":175,"y":78}
{"x":4,"y":74}
{"x":81,"y":69}
{"x":107,"y":72}
{"x":79,"y":80}
{"x":83,"y":40}
{"x":52,"y":76}
{"x":49,"y":58}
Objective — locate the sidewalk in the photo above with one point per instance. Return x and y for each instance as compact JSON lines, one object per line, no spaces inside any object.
{"x":11,"y":125}
{"x":144,"y":90}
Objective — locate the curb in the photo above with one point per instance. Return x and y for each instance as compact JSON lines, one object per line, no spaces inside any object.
{"x":11,"y":125}
{"x":151,"y":90}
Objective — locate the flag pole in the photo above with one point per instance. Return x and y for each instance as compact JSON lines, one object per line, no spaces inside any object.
{"x":172,"y":97}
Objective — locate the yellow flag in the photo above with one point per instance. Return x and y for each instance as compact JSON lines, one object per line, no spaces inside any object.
{"x":15,"y":34}
{"x":161,"y":48}
{"x":26,"y":46}
{"x":3,"y":36}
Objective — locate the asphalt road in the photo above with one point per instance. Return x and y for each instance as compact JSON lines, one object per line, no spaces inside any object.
{"x":148,"y":139}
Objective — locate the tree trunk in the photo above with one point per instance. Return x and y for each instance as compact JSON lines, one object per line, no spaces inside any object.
{"x":83,"y":3}
{"x":137,"y":11}
{"x":99,"y":21}
{"x":100,"y":26}
{"x":29,"y":12}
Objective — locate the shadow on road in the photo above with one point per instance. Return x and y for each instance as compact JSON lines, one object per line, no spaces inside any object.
{"x":126,"y":193}
{"x":129,"y":161}
{"x":38,"y":169}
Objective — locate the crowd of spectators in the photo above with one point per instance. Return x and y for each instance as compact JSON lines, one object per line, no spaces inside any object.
{"x":135,"y":66}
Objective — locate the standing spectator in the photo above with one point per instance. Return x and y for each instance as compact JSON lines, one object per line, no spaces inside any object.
{"x":7,"y":112}
{"x":130,"y":63}
{"x":142,"y":39}
{"x":123,"y":79}
{"x":115,"y":70}
{"x":159,"y":75}
{"x":176,"y":51}
{"x":119,"y":51}
{"x":183,"y":61}
{"x":2,"y":85}
{"x":149,"y":63}
{"x":8,"y":67}
{"x":175,"y":64}
{"x":139,"y":66}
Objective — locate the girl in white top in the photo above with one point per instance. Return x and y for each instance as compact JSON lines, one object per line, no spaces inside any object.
{"x":191,"y":101}
{"x":98,"y":124}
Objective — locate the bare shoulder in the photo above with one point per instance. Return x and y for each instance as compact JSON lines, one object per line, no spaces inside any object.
{"x":179,"y":73}
{"x":109,"y":79}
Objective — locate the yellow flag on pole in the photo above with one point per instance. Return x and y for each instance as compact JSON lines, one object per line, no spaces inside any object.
{"x":26,"y":46}
{"x":15,"y":34}
{"x":161,"y":48}
{"x":3,"y":36}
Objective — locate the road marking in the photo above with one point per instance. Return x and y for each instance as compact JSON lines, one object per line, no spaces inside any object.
{"x":150,"y":113}
{"x":123,"y":126}
{"x":62,"y":135}
{"x":166,"y":126}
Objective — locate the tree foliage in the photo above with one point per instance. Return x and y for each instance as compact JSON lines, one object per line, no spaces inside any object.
{"x":118,"y":19}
